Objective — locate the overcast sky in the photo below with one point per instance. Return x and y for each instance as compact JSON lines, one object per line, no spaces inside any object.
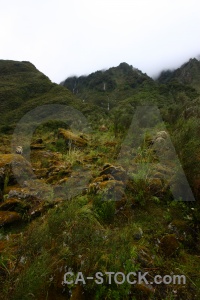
{"x":76,"y":37}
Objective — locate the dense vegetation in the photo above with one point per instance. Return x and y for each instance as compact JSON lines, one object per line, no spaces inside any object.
{"x":92,"y":192}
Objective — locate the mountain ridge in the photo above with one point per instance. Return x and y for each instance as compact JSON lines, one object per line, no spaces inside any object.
{"x":23,"y":87}
{"x":188,"y":73}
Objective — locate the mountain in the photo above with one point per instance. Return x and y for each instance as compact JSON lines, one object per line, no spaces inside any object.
{"x":107,"y":80}
{"x":125,"y":85}
{"x":109,"y":86}
{"x":23,"y":87}
{"x":188,"y":74}
{"x":98,"y":96}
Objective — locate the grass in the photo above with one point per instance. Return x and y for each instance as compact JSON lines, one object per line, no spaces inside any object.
{"x":81,"y":231}
{"x":73,"y":156}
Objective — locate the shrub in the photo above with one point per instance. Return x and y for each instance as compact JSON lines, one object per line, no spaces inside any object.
{"x":104,"y":208}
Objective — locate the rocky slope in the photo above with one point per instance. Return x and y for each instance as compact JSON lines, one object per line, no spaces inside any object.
{"x":98,"y":200}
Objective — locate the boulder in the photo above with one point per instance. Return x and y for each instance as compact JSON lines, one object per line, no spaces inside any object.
{"x":158,"y":142}
{"x":23,"y":193}
{"x":110,"y":190}
{"x":57,"y":173}
{"x":161,"y":173}
{"x":162,"y":134}
{"x":160,"y":145}
{"x":71,"y":139}
{"x":31,"y":190}
{"x":117,"y":172}
{"x":110,"y":184}
{"x":19,"y":150}
{"x":14,"y":169}
{"x":103,"y":178}
{"x":113,"y":188}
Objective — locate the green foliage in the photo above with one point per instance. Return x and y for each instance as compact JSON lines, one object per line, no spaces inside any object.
{"x":23,"y":88}
{"x":122,"y":117}
{"x":104,"y":208}
{"x":187,"y":144}
{"x":32,"y":280}
{"x":187,"y":75}
{"x":52,"y":125}
{"x":60,"y":145}
{"x":7,"y":129}
{"x":108,"y":86}
{"x":38,"y":236}
{"x":121,"y":256}
{"x":45,"y":163}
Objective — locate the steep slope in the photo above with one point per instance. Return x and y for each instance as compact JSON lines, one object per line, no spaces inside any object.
{"x":108,"y":87}
{"x":188,"y":74}
{"x":23,"y":87}
{"x":119,"y":90}
{"x":124,"y":85}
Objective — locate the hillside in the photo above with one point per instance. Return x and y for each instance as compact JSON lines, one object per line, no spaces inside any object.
{"x":23,"y":87}
{"x":188,"y":74}
{"x":107,"y":88}
{"x":119,"y":90}
{"x":119,"y":192}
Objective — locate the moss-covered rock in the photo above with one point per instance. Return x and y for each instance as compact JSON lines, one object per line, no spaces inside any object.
{"x":14,"y":204}
{"x":8,"y":217}
{"x":103,"y":178}
{"x":31,"y":190}
{"x":72,"y":139}
{"x":109,"y":190}
{"x":37,"y":147}
{"x":14,"y":169}
{"x":116,"y":171}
